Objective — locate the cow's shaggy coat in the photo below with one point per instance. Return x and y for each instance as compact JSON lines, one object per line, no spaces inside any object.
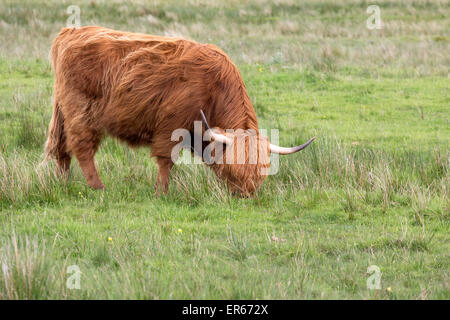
{"x":140,"y":88}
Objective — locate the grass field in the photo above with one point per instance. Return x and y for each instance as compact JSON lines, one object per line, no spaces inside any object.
{"x":371,"y":190}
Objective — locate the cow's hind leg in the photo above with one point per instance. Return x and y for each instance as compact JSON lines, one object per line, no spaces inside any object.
{"x":162,"y":181}
{"x":83,"y":143}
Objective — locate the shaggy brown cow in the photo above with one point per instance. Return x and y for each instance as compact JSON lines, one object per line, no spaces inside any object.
{"x":140,"y":88}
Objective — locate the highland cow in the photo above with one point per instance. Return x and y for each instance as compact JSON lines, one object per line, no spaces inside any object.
{"x":140,"y":88}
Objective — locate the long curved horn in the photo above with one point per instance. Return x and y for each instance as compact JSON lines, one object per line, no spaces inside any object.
{"x":214,"y":135}
{"x":281,"y":150}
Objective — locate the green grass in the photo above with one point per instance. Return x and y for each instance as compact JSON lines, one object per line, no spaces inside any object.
{"x":371,"y":190}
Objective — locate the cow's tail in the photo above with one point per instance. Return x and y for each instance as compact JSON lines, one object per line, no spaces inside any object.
{"x":56,"y":141}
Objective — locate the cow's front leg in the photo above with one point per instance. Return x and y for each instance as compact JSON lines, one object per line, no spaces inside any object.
{"x":162,"y":181}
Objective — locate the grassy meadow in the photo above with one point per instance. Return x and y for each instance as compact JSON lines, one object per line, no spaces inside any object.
{"x":371,"y":190}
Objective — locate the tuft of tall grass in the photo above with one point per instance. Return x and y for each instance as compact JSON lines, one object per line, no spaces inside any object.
{"x":26,"y":179}
{"x":237,"y":245}
{"x":27,"y":271}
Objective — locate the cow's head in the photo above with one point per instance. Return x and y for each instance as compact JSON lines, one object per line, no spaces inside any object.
{"x":242,"y":157}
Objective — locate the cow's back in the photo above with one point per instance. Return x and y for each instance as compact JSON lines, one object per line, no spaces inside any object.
{"x":86,"y":59}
